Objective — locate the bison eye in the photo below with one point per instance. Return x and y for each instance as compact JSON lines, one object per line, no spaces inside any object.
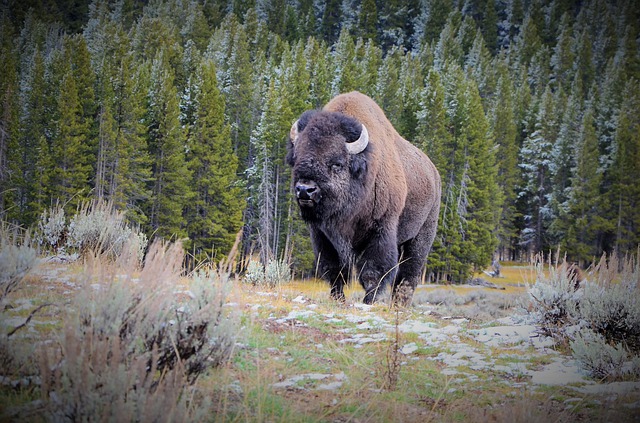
{"x":336,"y":167}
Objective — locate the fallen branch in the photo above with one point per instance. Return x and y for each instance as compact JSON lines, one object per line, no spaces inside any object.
{"x":26,"y":322}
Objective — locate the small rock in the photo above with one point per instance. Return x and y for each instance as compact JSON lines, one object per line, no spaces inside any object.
{"x":409,"y":348}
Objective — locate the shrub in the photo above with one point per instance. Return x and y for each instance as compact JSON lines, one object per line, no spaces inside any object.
{"x":255,"y":273}
{"x":601,"y":359}
{"x":17,"y":258}
{"x":99,"y":227}
{"x":52,"y":229}
{"x":277,"y":272}
{"x":611,"y":302}
{"x":554,"y":298}
{"x":131,"y":342}
{"x":600,"y":319}
{"x":274,"y":273}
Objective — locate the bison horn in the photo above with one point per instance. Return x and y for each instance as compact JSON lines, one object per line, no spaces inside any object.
{"x":293,"y":134}
{"x":360,"y":144}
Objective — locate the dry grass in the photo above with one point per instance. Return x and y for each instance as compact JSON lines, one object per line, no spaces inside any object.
{"x":379,"y":383}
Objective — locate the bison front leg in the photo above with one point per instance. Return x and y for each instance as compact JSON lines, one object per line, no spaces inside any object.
{"x":378,"y":265}
{"x":329,"y":265}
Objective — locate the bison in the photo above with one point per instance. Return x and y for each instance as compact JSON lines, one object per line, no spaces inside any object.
{"x":371,"y":199}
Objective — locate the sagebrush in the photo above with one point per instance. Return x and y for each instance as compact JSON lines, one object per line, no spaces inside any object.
{"x":134,"y":341}
{"x":599,"y":317}
{"x":97,"y":227}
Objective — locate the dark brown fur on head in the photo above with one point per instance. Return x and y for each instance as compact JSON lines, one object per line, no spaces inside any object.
{"x":324,"y":160}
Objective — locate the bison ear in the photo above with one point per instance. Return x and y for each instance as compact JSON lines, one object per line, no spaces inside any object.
{"x":358,"y":165}
{"x":297,"y":127}
{"x":355,"y":133}
{"x":304,"y":119}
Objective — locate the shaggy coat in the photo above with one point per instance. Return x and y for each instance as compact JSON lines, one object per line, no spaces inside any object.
{"x":370,"y":197}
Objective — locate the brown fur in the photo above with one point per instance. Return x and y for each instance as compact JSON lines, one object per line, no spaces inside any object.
{"x":382,"y":216}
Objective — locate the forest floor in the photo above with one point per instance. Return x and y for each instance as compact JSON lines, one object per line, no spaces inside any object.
{"x":460,"y":353}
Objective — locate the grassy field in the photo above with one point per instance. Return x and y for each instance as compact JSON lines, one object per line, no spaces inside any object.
{"x":301,"y":357}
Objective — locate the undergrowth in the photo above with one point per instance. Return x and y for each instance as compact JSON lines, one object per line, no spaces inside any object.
{"x":97,"y":227}
{"x":132,"y":346}
{"x":598,"y":317}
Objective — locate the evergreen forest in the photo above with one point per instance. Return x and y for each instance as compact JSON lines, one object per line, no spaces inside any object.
{"x":177,"y":112}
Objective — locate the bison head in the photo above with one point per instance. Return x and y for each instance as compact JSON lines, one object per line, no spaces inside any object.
{"x":328,"y":152}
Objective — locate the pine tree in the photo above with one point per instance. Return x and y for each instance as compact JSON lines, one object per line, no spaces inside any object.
{"x":367,"y":21}
{"x":349,"y":10}
{"x":535,"y":156}
{"x":9,"y":115}
{"x":171,"y":189}
{"x":434,"y":138}
{"x":563,"y":56}
{"x":31,"y":195}
{"x":504,"y":130}
{"x":330,"y":26}
{"x":448,"y":49}
{"x":410,"y":83}
{"x":489,"y":26}
{"x":214,"y":215}
{"x":581,"y":239}
{"x":230,"y":50}
{"x":527,"y":42}
{"x":370,"y":60}
{"x":478,"y":66}
{"x":266,"y":139}
{"x":483,"y":199}
{"x":625,"y":193}
{"x":320,"y":72}
{"x":345,"y":70}
{"x":70,"y":149}
{"x":471,"y":198}
{"x":395,"y":24}
{"x":388,"y":86}
{"x":431,"y":20}
{"x":123,"y":165}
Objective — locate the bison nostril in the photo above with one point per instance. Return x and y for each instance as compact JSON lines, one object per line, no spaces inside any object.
{"x":305,"y":190}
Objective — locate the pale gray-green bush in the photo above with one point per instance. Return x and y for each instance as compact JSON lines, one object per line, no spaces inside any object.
{"x":611,"y":302}
{"x":17,"y":258}
{"x":602,"y":359}
{"x":99,"y":227}
{"x":52,"y":228}
{"x":254,"y":274}
{"x":554,"y":298}
{"x":276,"y":272}
{"x":600,"y":317}
{"x":133,"y":342}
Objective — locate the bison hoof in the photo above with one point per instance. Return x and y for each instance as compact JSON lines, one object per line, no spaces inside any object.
{"x":369,"y":298}
{"x":339,"y":297}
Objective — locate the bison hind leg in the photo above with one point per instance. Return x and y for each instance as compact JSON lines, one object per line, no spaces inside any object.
{"x":412,"y":257}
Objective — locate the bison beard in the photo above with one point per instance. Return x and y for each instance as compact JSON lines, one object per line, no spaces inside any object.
{"x":371,"y":199}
